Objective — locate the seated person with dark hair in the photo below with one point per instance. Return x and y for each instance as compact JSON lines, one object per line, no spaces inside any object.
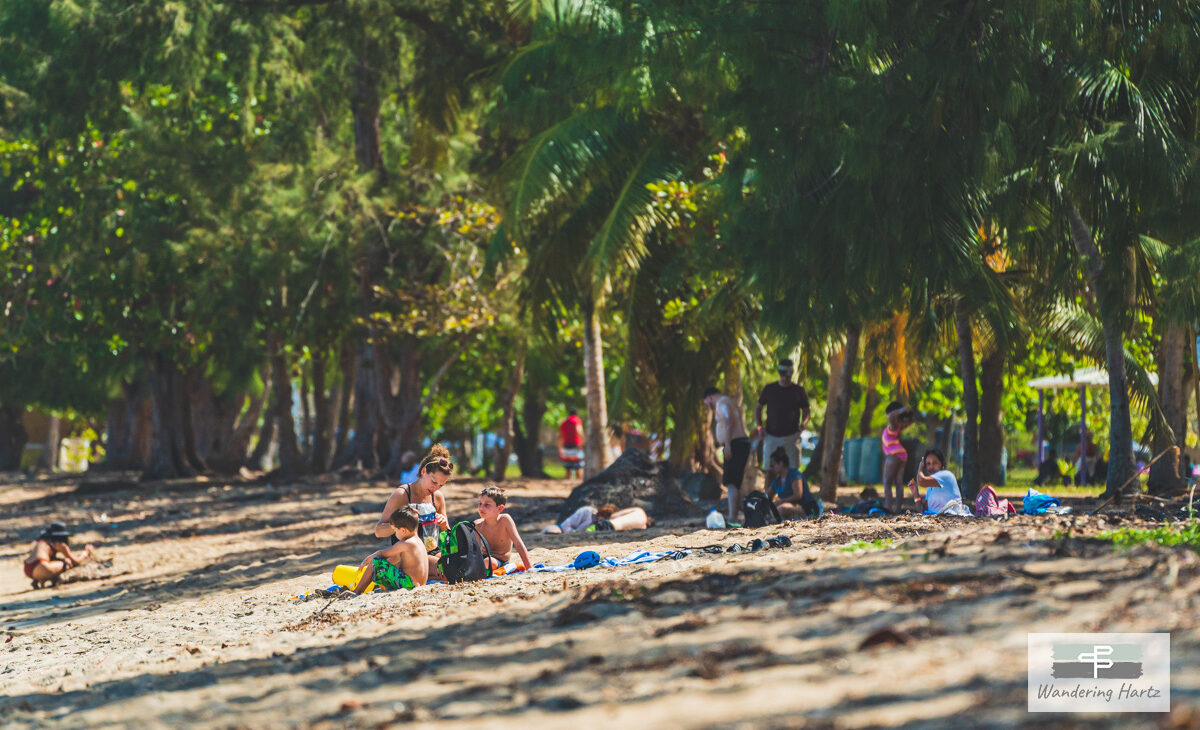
{"x":788,"y":490}
{"x":1049,"y":472}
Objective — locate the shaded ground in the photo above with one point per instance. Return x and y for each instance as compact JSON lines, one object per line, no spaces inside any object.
{"x":190,"y":623}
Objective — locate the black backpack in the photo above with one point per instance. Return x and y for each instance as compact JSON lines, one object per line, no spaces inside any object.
{"x":465,"y":554}
{"x":759,"y":510}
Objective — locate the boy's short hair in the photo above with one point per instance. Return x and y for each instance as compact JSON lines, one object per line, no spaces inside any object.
{"x":710,"y":390}
{"x":498,"y":495}
{"x":406,"y":518}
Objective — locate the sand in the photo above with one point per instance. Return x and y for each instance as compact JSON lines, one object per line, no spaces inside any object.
{"x":188,"y":621}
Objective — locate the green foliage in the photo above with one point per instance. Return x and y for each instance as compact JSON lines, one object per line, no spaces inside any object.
{"x":860,"y":545}
{"x":1186,"y":534}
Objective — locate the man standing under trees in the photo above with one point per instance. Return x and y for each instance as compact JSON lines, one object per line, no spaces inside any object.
{"x":787,"y":414}
{"x":570,"y":443}
{"x":731,"y":435}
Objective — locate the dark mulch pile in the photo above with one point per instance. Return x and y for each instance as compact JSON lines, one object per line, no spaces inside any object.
{"x":634,"y":480}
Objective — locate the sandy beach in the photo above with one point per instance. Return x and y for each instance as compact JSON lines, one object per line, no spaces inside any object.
{"x":903,"y":621}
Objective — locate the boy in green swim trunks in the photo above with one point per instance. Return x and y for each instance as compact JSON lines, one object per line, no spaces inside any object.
{"x":403,"y":565}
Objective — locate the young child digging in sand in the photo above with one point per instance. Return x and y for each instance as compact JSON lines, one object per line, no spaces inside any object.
{"x":402,"y":565}
{"x":50,"y":556}
{"x":499,"y":529}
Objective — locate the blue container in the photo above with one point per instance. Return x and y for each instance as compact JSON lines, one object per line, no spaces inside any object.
{"x":851,"y":453}
{"x":870,"y":462}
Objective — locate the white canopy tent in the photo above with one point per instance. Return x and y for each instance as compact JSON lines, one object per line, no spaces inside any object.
{"x":1081,"y":380}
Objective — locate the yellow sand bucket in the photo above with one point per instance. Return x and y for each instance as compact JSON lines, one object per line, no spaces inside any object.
{"x":348,"y":576}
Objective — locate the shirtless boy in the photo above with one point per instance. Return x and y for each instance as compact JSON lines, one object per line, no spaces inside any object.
{"x":499,"y":529}
{"x":402,"y":565}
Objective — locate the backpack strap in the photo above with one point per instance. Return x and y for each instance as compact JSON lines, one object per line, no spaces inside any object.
{"x":487,"y":549}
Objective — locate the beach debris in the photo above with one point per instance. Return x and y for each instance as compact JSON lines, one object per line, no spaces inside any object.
{"x":633,"y":480}
{"x":884,"y":636}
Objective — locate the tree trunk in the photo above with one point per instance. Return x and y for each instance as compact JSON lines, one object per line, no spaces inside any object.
{"x":991,"y":417}
{"x":49,"y":458}
{"x":213,"y":416}
{"x":870,"y":403}
{"x":361,"y":451}
{"x":13,"y":437}
{"x":837,"y":413}
{"x":596,"y":438}
{"x":229,"y":449}
{"x":365,"y":104}
{"x":345,"y":404}
{"x":528,"y":436}
{"x":117,"y":429}
{"x":187,"y":429}
{"x":257,"y":458}
{"x":966,"y":372}
{"x":1109,"y":301}
{"x":325,"y":407}
{"x":167,"y":459}
{"x":128,"y":432}
{"x":1172,"y":396}
{"x":506,"y":432}
{"x":291,"y":463}
{"x":306,"y":416}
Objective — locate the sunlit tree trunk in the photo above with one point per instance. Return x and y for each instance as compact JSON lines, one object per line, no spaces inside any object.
{"x":1111,"y":293}
{"x":1172,"y":396}
{"x":596,"y":447}
{"x":167,"y":459}
{"x":837,"y":413}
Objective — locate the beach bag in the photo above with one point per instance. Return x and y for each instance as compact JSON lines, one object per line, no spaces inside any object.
{"x":465,"y":554}
{"x":988,"y":504}
{"x":1037,"y":503}
{"x":759,"y":510}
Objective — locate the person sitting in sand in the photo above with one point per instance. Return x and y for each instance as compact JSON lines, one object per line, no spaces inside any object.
{"x":50,"y":556}
{"x":601,"y":519}
{"x":941,"y":484}
{"x":404,"y":564}
{"x":788,"y":490}
{"x":433,"y":473}
{"x":498,"y":528}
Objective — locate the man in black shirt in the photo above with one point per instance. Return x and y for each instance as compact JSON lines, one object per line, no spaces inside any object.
{"x":787,"y":414}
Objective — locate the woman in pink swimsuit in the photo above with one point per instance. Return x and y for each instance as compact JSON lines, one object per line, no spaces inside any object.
{"x":899,"y":417}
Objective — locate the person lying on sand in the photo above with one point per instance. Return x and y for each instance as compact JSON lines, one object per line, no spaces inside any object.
{"x":498,"y":528}
{"x":600,"y":519}
{"x":50,"y":556}
{"x":941,"y":484}
{"x":402,"y":565}
{"x":433,"y":473}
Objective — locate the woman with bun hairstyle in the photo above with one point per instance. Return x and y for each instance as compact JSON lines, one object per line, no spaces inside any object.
{"x":433,"y":473}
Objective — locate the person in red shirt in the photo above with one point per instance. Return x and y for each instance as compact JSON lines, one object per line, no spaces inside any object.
{"x":570,"y":444}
